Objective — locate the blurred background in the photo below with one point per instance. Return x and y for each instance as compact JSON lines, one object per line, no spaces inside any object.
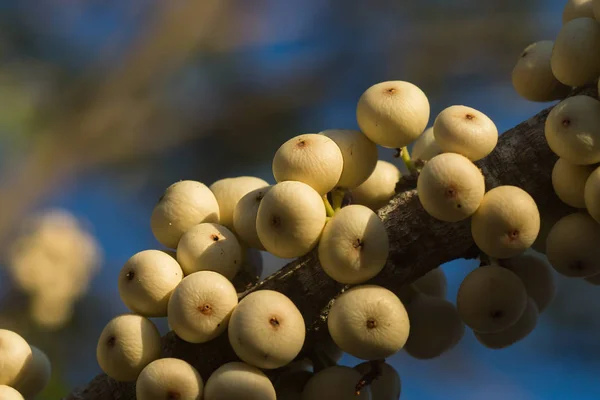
{"x":105,"y":103}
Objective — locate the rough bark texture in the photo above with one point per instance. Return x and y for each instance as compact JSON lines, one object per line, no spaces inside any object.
{"x":418,"y":244}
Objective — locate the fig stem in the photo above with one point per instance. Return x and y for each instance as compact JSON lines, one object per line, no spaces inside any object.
{"x":328,"y":206}
{"x":337,"y":198}
{"x":407,"y":161}
{"x":368,"y":378}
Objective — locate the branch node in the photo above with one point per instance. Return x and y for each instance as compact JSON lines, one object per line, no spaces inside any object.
{"x":371,"y":376}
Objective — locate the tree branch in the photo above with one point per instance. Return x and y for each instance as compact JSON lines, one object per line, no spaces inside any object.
{"x":418,"y":244}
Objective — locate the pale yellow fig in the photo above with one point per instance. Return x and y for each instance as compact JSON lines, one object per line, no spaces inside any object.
{"x":465,"y":130}
{"x":568,"y":181}
{"x":393,"y":114}
{"x":229,"y":191}
{"x":514,"y":333}
{"x":290,"y":219}
{"x":532,"y":76}
{"x":244,"y":217}
{"x":354,"y":245}
{"x":335,"y":383}
{"x":238,"y":380}
{"x":592,"y":194}
{"x":577,"y":9}
{"x":379,"y":188}
{"x":201,"y":305}
{"x":450,"y":187}
{"x":491,"y":298}
{"x":572,"y":130}
{"x":359,"y":154}
{"x":387,"y":386}
{"x":127,"y":344}
{"x":312,"y":159}
{"x":368,"y":322}
{"x":575,"y":58}
{"x":266,"y":329}
{"x":210,"y":247}
{"x":36,"y":375}
{"x":183,"y":205}
{"x":169,"y":378}
{"x":9,"y":393}
{"x":425,"y":147}
{"x":289,"y":386}
{"x":572,"y":246}
{"x":15,"y":355}
{"x":537,"y":276}
{"x":433,"y":283}
{"x":147,"y":280}
{"x":506,"y":223}
{"x":435,"y":327}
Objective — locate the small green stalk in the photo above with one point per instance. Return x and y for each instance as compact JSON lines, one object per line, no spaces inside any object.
{"x":337,"y":197}
{"x":328,"y":206}
{"x":407,"y":161}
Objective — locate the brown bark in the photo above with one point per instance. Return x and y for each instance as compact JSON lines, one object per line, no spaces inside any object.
{"x":418,"y":243}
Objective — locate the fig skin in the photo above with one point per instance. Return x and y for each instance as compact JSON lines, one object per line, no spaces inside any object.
{"x":290,"y":219}
{"x":450,"y":187}
{"x":266,"y":329}
{"x":169,"y":378}
{"x":201,"y":306}
{"x":15,"y":355}
{"x":368,"y":322}
{"x":491,"y":298}
{"x":572,"y":246}
{"x":466,"y":131}
{"x":354,"y":245}
{"x":359,"y":156}
{"x":210,"y":247}
{"x":379,"y":188}
{"x":513,"y":334}
{"x":577,"y":9}
{"x":425,"y":147}
{"x":237,"y":380}
{"x":433,"y":283}
{"x":229,"y":191}
{"x":183,"y":205}
{"x":572,"y":130}
{"x":126,"y":345}
{"x":435,"y":327}
{"x":313,"y":159}
{"x":568,"y":181}
{"x":393,"y":113}
{"x":147,"y":280}
{"x":532,"y":76}
{"x":335,"y":383}
{"x":506,"y":223}
{"x":575,"y":57}
{"x":537,"y":275}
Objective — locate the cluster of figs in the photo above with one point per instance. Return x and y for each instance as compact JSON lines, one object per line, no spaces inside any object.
{"x":329,"y":186}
